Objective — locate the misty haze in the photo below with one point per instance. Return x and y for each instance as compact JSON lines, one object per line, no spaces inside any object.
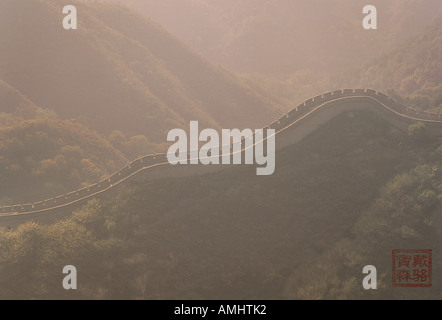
{"x":355,"y":174}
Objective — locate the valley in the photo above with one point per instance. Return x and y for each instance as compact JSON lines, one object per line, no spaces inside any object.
{"x":92,"y":112}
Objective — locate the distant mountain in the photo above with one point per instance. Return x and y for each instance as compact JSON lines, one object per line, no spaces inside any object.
{"x":413,"y":68}
{"x":280,"y":37}
{"x":13,"y":101}
{"x":14,"y":106}
{"x":118,"y":71}
{"x":411,"y":72}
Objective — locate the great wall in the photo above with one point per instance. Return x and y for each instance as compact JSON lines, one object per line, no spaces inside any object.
{"x":289,"y":129}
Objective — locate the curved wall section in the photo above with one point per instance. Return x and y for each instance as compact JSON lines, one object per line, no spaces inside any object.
{"x":290,"y":128}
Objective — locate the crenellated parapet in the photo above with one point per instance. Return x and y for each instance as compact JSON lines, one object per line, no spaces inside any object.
{"x":297,"y":113}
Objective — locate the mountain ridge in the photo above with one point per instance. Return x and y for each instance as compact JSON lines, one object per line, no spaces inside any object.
{"x":242,"y":35}
{"x":109,"y":79}
{"x":297,"y":114}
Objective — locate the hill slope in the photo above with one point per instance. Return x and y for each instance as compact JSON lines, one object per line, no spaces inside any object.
{"x":235,"y":235}
{"x":14,"y":107}
{"x":410,"y":72}
{"x":281,"y":37}
{"x":118,"y":71}
{"x":45,"y":157}
{"x":413,"y":68}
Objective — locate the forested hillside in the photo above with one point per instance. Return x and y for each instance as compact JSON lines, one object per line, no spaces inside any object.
{"x":344,"y":197}
{"x":413,"y":69}
{"x":41,"y":158}
{"x":111,"y":89}
{"x":118,"y":71}
{"x":282,"y":37}
{"x":14,"y":107}
{"x":411,"y":72}
{"x":75,"y":106}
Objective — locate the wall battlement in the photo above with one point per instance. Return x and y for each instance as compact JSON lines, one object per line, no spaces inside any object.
{"x":305,"y":109}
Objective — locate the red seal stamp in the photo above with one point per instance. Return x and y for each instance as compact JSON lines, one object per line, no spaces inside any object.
{"x":412,"y":268}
